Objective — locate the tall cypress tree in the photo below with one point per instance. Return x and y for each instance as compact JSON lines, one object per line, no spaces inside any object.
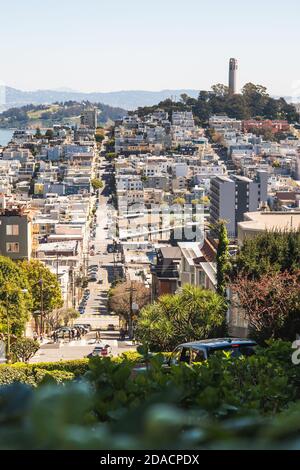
{"x":223,"y":260}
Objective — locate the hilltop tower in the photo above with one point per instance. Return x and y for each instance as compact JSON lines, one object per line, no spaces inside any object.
{"x":233,"y":70}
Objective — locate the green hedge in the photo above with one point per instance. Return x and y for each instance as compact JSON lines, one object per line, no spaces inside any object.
{"x":56,"y":376}
{"x":76,"y":367}
{"x":20,"y":373}
{"x":33,"y":374}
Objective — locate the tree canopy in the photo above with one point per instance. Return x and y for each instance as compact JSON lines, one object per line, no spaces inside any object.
{"x":194,"y":314}
{"x":15,"y":298}
{"x":269,"y":252}
{"x":265,"y":281}
{"x":97,"y":183}
{"x":271,"y":305}
{"x":42,"y":283}
{"x":120,"y":296}
{"x":253,"y":101}
{"x":23,"y":349}
{"x":24,"y":288}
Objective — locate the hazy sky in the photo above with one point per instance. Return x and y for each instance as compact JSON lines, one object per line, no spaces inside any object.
{"x":107,"y":45}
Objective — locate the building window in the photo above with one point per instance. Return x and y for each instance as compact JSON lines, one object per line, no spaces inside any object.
{"x":202,"y":278}
{"x":12,"y":230}
{"x":12,"y":247}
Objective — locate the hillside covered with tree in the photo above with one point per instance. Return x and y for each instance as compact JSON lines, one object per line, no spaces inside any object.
{"x":58,"y":113}
{"x":253,"y":102}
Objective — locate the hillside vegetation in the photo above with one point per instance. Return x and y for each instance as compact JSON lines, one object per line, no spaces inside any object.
{"x":58,"y":113}
{"x":253,"y":102}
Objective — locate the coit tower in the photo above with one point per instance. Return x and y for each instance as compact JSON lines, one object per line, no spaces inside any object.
{"x":233,"y":70}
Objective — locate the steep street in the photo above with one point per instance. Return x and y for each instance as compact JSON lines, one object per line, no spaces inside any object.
{"x":96,"y":312}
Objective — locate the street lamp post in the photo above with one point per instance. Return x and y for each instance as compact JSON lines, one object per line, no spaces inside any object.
{"x":41,"y":312}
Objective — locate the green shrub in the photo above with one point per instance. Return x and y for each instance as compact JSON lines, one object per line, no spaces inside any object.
{"x":54,"y":376}
{"x":23,"y":349}
{"x":266,"y":382}
{"x":11,"y":374}
{"x":58,"y":418}
{"x":77,"y":367}
{"x":33,"y":374}
{"x":130,"y":356}
{"x":181,"y":318}
{"x":225,"y":402}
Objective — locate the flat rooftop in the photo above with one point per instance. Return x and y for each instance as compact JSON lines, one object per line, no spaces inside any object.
{"x":270,"y":221}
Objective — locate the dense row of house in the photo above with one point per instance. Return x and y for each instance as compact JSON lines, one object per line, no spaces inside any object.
{"x":172,"y":185}
{"x":251,"y":183}
{"x":47,"y":200}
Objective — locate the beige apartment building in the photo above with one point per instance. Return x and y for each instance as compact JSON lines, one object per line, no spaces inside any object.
{"x":258,"y":222}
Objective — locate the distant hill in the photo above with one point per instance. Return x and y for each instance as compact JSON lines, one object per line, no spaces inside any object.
{"x":128,"y":100}
{"x":45,"y":115}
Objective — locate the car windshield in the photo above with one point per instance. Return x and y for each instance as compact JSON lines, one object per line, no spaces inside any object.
{"x":236,"y":350}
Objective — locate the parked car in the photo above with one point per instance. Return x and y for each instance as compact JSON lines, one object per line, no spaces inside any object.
{"x":199,"y":351}
{"x":100,"y":351}
{"x":110,"y":327}
{"x":62,"y":332}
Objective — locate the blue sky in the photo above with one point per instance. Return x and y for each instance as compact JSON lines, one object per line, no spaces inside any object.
{"x":101,"y":45}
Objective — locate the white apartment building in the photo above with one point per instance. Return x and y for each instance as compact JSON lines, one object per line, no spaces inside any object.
{"x":223,"y":122}
{"x":180,"y":169}
{"x":208,"y":171}
{"x":129,"y":183}
{"x":183,"y":119}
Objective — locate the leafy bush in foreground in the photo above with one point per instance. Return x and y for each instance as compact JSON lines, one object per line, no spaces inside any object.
{"x":265,"y":383}
{"x":56,"y":417}
{"x":225,"y":402}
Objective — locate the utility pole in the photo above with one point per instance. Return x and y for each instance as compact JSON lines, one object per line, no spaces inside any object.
{"x":56,"y":264}
{"x":8,"y":331}
{"x":73,"y":289}
{"x":42,"y":305}
{"x":131,"y":291}
{"x":131,"y":311}
{"x":116,"y":273}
